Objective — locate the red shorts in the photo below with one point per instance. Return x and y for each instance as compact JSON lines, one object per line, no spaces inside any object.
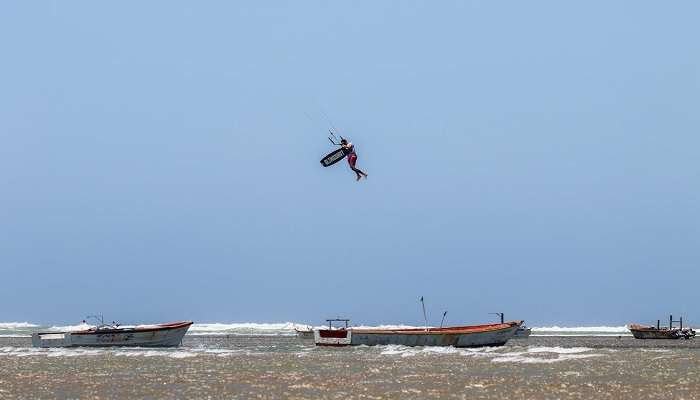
{"x":352,"y":158}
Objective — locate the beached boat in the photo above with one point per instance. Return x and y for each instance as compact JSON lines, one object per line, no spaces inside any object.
{"x":306,"y":333}
{"x":160,"y":335}
{"x":661,"y":332}
{"x":653,"y":332}
{"x":457,"y":336}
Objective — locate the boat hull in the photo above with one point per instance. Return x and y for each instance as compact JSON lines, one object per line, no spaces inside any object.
{"x":465,"y":336}
{"x":522,"y":333}
{"x":162,"y":335}
{"x":304,"y":334}
{"x":650,"y":332}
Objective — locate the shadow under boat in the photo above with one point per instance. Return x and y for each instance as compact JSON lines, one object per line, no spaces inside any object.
{"x":110,"y":335}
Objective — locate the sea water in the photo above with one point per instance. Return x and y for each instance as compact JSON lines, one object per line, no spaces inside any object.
{"x":268,"y":361}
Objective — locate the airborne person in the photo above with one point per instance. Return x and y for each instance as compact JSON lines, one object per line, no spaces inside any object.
{"x":352,"y":158}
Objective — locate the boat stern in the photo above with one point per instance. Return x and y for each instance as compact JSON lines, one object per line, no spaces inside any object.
{"x":332,"y":337}
{"x":51,"y":339}
{"x":498,"y":335}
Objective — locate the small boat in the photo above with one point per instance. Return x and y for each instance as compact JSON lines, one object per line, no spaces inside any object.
{"x":653,"y":332}
{"x":306,"y":333}
{"x":457,"y":336}
{"x":106,"y":335}
{"x":661,"y":332}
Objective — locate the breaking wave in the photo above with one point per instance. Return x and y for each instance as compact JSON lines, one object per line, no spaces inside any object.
{"x":120,"y":352}
{"x":528,"y":355}
{"x":581,"y":331}
{"x":16,"y":325}
{"x":278,"y":329}
{"x":70,"y":328}
{"x":391,"y":327}
{"x":246,"y":328}
{"x":16,"y":329}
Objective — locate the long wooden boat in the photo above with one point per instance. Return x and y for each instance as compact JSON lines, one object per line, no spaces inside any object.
{"x":457,"y":336}
{"x":160,"y":335}
{"x":653,"y":332}
{"x":659,"y":332}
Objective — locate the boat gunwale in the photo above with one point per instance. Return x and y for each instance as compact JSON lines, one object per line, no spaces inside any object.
{"x":451,"y":330}
{"x":647,"y":328}
{"x":93,"y":331}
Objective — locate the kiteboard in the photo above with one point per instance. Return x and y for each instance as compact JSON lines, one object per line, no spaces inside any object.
{"x":334,"y":157}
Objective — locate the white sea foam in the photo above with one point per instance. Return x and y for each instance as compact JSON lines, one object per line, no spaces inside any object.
{"x":181,"y":354}
{"x":284,"y":328}
{"x":395,"y":349}
{"x":525,"y":355}
{"x":68,"y":352}
{"x":558,"y":350}
{"x":390,"y":327}
{"x":121,"y":352}
{"x":406,"y":351}
{"x":517,"y":358}
{"x":223,"y":352}
{"x":70,"y":328}
{"x":153,"y":353}
{"x":16,"y":325}
{"x":581,"y":331}
{"x":17,"y":351}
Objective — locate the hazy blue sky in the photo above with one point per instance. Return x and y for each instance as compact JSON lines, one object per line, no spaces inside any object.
{"x":538,"y":158}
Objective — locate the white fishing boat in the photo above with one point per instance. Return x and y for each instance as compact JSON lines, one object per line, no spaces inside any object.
{"x":108,"y":335}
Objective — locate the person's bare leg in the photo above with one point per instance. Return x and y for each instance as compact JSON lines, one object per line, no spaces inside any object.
{"x":358,"y":172}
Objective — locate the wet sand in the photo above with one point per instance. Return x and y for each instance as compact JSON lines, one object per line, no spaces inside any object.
{"x":267,"y":367}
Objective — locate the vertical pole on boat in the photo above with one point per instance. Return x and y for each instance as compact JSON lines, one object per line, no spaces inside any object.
{"x":500,"y":314}
{"x":425,"y":316}
{"x":670,"y":322}
{"x":443,"y":318}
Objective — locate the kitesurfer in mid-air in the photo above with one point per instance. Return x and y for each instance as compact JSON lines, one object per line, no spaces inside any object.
{"x":352,"y":158}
